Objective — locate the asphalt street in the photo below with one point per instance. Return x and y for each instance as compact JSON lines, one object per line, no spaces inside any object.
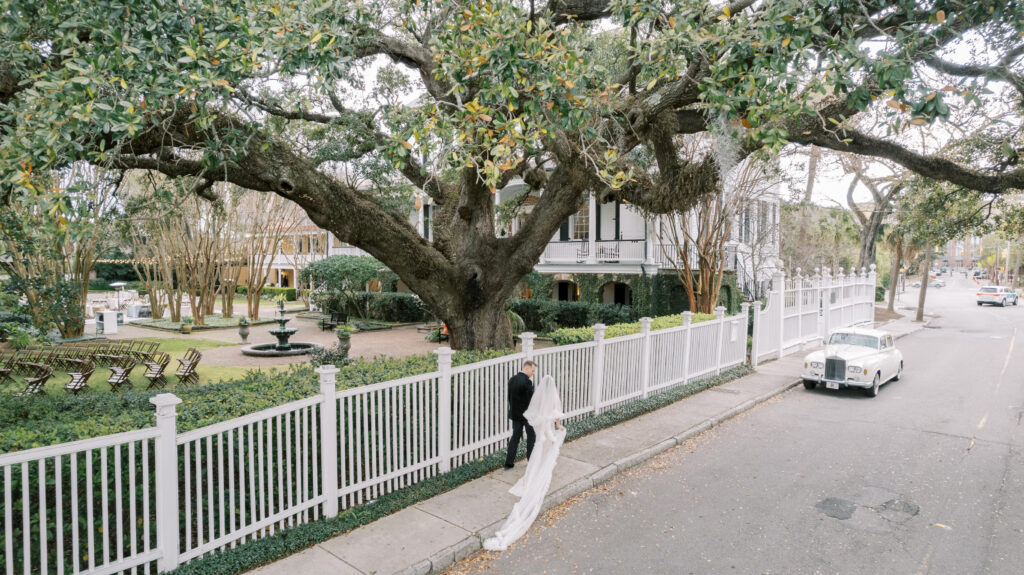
{"x":927,"y":478}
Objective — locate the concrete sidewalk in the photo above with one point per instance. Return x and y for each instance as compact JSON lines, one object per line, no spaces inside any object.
{"x":431,"y":535}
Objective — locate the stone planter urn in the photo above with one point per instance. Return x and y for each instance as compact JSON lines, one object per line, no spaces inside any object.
{"x":186,"y":328}
{"x":243,"y":332}
{"x":344,"y":340}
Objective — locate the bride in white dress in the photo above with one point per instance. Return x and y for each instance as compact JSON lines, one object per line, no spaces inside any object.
{"x":545,"y":415}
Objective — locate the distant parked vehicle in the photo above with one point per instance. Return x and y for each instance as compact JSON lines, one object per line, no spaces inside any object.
{"x":997,"y":295}
{"x":937,"y":284}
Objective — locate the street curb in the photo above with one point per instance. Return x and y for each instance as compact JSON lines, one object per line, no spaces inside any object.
{"x":473,"y":542}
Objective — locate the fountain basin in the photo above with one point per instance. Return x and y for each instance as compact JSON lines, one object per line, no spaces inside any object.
{"x":271,"y":349}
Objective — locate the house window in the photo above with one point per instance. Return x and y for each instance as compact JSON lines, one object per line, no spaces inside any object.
{"x":581,"y":224}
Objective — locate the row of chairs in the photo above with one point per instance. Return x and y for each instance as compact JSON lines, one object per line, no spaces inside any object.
{"x":110,"y":352}
{"x":38,"y":373}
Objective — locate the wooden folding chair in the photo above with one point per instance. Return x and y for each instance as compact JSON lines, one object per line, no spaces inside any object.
{"x":80,"y":377}
{"x":155,"y":368}
{"x":35,"y":382}
{"x":187,"y":374}
{"x":120,"y":373}
{"x":7,"y":363}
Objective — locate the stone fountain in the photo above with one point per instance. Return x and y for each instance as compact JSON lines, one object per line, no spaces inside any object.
{"x":283,"y":347}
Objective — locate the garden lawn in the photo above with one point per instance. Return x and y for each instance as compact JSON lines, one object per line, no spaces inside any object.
{"x":176,"y":347}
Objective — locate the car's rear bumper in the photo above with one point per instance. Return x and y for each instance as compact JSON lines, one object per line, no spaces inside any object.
{"x":841,"y":384}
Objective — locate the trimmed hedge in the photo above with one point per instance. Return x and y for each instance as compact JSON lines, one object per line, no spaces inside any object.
{"x":51,"y":419}
{"x":263,"y":551}
{"x":581,"y":334}
{"x":384,"y":306}
{"x":546,"y":315}
{"x":290,"y":293}
{"x":879,"y":293}
{"x":99,"y":284}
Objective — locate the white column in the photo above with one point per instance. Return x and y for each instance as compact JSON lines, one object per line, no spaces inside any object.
{"x":419,"y":217}
{"x":688,"y":324}
{"x":527,"y":338}
{"x":645,"y":378}
{"x":872,"y":282}
{"x":592,"y":229}
{"x":756,"y":336}
{"x":596,"y":387}
{"x":651,"y":240}
{"x":329,"y":438}
{"x":166,"y":472}
{"x":720,"y":314}
{"x":444,"y":408}
{"x":841,"y":298}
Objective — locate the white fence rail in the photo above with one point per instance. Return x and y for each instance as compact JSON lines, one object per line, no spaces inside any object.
{"x":147,"y":501}
{"x":802,"y":310}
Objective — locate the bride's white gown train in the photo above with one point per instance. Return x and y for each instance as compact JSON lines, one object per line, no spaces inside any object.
{"x":545,"y":407}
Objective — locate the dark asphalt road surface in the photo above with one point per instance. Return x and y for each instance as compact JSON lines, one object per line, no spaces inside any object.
{"x":927,"y":478}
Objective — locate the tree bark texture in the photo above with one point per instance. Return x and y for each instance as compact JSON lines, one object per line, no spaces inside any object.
{"x":926,"y":268}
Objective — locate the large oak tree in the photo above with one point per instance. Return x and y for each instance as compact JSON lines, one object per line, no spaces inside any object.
{"x":574,"y":96}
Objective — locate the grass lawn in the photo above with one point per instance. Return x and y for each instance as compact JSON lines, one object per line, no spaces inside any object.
{"x":176,"y":347}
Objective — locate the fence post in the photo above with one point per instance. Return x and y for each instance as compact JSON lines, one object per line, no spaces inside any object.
{"x":329,"y":438}
{"x":687,"y":323}
{"x":166,"y":472}
{"x":779,"y":287}
{"x":720,"y":314}
{"x":872,"y":278}
{"x":596,"y":388}
{"x":826,"y":303}
{"x":841,"y":298}
{"x":798,"y":283}
{"x":755,"y":336}
{"x":645,"y":377}
{"x":745,"y":310}
{"x":527,"y":338}
{"x":444,"y":408}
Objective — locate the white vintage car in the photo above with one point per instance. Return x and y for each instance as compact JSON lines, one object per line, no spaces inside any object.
{"x":854,"y":357}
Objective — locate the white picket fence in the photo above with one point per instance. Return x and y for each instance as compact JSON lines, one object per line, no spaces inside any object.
{"x":802,"y":310}
{"x":149,"y":500}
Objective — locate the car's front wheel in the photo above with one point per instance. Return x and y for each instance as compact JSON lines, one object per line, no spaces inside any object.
{"x":899,"y":373}
{"x":873,"y":390}
{"x":808,"y":384}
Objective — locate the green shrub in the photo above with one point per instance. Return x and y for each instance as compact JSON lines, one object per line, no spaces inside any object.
{"x":879,"y":293}
{"x":99,"y":284}
{"x":290,"y":293}
{"x":545,"y":315}
{"x":394,"y":306}
{"x":581,"y":334}
{"x":15,"y":317}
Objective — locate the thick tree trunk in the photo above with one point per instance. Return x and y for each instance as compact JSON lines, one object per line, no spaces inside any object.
{"x":869,"y":240}
{"x":479,"y":325}
{"x":926,"y":268}
{"x":894,"y":276}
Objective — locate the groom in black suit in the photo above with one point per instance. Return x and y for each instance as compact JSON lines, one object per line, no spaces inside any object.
{"x":520,"y":391}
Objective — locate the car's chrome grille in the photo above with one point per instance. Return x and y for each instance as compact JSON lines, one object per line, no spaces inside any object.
{"x":835,"y":369}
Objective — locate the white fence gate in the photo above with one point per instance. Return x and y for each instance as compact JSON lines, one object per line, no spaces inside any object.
{"x":149,"y":500}
{"x":802,"y":310}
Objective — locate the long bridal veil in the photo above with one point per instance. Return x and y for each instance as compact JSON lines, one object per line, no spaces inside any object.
{"x":545,"y":407}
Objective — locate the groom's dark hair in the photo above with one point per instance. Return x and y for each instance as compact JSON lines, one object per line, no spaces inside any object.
{"x":528,"y":363}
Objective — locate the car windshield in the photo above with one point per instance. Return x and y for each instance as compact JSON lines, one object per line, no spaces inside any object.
{"x":854,"y":339}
